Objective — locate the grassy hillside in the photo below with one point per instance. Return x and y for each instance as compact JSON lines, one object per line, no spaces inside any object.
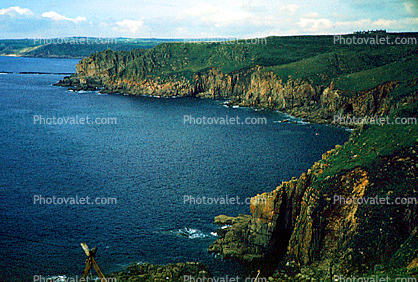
{"x":315,"y":58}
{"x":72,"y":47}
{"x":373,"y":141}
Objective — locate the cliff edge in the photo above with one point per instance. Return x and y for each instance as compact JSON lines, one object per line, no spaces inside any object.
{"x":306,"y":76}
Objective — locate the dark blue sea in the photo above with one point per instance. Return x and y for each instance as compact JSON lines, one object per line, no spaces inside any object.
{"x":149,"y":161}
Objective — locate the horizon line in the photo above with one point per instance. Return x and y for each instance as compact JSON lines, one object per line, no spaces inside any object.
{"x":212,"y":37}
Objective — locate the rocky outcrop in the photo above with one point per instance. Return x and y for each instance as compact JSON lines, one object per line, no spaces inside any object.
{"x":267,"y":232}
{"x":311,"y":219}
{"x":148,"y":73}
{"x":175,"y":272}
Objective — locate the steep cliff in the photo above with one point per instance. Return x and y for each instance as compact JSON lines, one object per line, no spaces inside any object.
{"x":359,"y":212}
{"x":308,"y":82}
{"x":314,"y":221}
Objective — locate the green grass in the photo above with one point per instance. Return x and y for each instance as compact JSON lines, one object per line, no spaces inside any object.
{"x":365,"y":146}
{"x":368,"y":79}
{"x":49,"y":48}
{"x":353,"y":68}
{"x":385,"y":154}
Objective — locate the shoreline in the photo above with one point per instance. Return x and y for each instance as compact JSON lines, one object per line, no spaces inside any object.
{"x":42,"y":57}
{"x":227,"y":102}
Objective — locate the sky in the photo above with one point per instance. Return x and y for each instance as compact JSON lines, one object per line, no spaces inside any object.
{"x":201,"y":19}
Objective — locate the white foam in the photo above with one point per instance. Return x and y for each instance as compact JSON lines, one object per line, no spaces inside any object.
{"x":59,"y":278}
{"x":191,"y":233}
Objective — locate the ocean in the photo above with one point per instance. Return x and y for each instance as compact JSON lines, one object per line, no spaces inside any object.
{"x":148,"y":172}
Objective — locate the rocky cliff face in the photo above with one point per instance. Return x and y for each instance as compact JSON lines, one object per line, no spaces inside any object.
{"x":311,"y":219}
{"x":253,"y":87}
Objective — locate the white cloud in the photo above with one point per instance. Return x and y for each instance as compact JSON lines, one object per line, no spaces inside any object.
{"x":355,"y":24}
{"x":327,"y":26}
{"x":314,"y":25}
{"x":131,"y":25}
{"x":219,"y":15}
{"x":312,"y":15}
{"x":411,"y":8}
{"x":16,"y":10}
{"x":291,"y":8}
{"x":57,"y":17}
{"x":366,"y":24}
{"x":216,"y":18}
{"x":382,"y":23}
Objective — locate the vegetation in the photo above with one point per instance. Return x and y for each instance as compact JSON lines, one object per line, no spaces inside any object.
{"x":353,"y":68}
{"x":72,"y":47}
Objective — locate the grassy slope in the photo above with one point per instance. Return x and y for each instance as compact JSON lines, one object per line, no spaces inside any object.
{"x":370,"y":147}
{"x":353,"y":68}
{"x":375,"y":141}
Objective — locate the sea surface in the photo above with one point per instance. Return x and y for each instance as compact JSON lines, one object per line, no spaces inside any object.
{"x":148,"y":164}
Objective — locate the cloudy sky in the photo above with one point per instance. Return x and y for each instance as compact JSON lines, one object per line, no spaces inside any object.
{"x":201,"y":19}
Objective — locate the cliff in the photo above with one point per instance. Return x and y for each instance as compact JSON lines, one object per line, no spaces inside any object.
{"x":310,"y":220}
{"x":308,"y":82}
{"x":300,"y":227}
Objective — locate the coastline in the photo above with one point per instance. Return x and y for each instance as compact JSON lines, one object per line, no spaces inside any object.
{"x":43,"y":57}
{"x":298,"y":225}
